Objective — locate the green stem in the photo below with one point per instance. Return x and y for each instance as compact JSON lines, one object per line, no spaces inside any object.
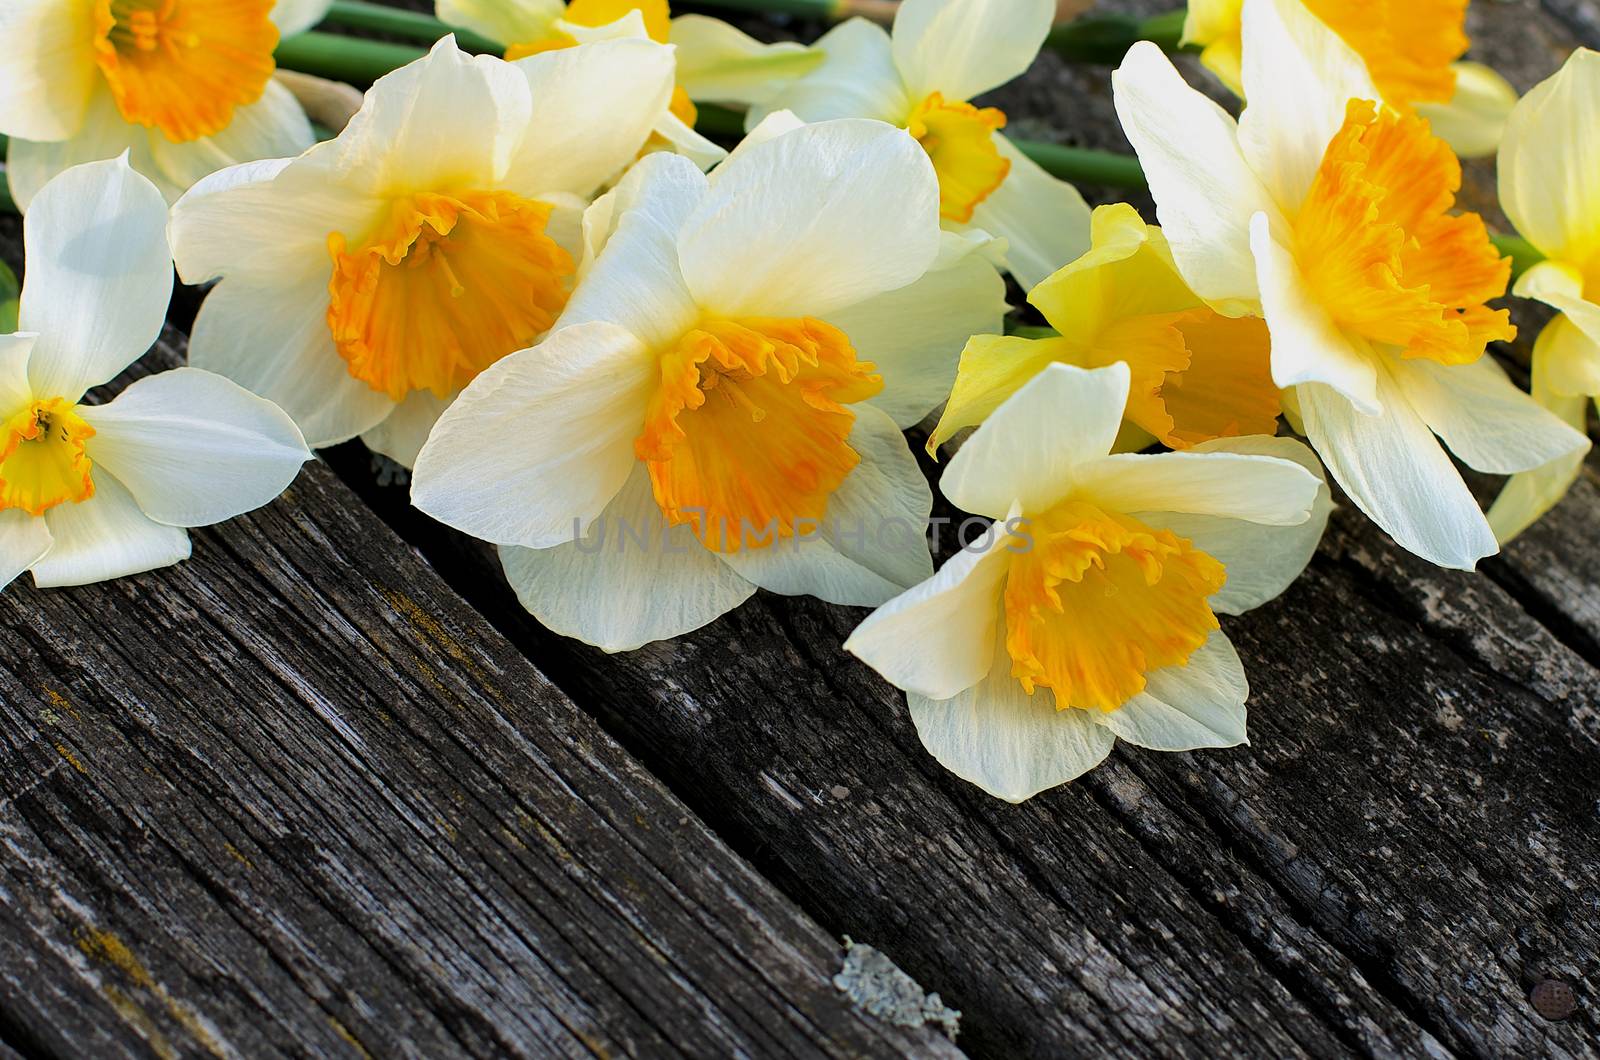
{"x":823,"y":9}
{"x":1107,"y":38}
{"x":343,"y":58}
{"x":407,"y":25}
{"x":1523,"y":254}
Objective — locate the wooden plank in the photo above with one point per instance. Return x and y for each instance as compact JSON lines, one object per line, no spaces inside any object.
{"x":293,"y":797}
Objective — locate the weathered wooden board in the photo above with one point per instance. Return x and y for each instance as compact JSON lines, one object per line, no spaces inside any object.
{"x":293,"y":797}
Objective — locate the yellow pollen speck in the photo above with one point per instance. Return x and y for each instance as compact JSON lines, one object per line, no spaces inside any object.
{"x":42,"y":457}
{"x":745,"y":438}
{"x":184,"y":66}
{"x":959,"y":138}
{"x":448,"y":285}
{"x":1099,"y":600}
{"x":1379,"y":249}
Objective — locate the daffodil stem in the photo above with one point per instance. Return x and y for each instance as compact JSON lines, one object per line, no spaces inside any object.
{"x":406,"y":25}
{"x":1523,"y":254}
{"x":1107,"y":38}
{"x":343,"y":58}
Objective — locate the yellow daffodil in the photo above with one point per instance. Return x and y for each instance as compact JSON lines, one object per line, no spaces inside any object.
{"x":96,"y":491}
{"x":1410,"y":48}
{"x":1197,"y":375}
{"x":716,"y":62}
{"x":1549,"y":169}
{"x":1329,"y":216}
{"x":941,"y":55}
{"x":1088,"y":611}
{"x":185,"y":87}
{"x":367,"y":281}
{"x":720,"y":406}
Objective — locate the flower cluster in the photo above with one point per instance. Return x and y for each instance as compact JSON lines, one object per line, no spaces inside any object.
{"x":659,"y":375}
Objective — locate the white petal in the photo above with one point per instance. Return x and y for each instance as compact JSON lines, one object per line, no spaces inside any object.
{"x":966,"y":47}
{"x":537,"y":445}
{"x":813,"y":221}
{"x":274,"y":126}
{"x":1204,"y":189}
{"x":98,"y":276}
{"x":1009,"y":743}
{"x":1474,"y":120}
{"x":194,"y":448}
{"x":1566,"y":361}
{"x":297,"y":16}
{"x":856,"y":79}
{"x":106,"y":536}
{"x":274,"y":341}
{"x":634,"y":281}
{"x":24,"y":539}
{"x":401,"y":435}
{"x":915,"y":335}
{"x":683,"y":140}
{"x":1261,"y":560}
{"x":49,"y":74}
{"x":718,"y":63}
{"x":770,"y":127}
{"x":937,"y":639}
{"x":1029,"y":448}
{"x":267,"y":222}
{"x":1558,"y":284}
{"x":1045,"y":220}
{"x":872,"y":543}
{"x":478,"y":105}
{"x":1187,"y":707}
{"x":1298,"y":77}
{"x":1307,"y":346}
{"x":1548,"y":158}
{"x":1529,"y":494}
{"x":631,"y":581}
{"x":592,"y":110}
{"x":1396,"y":472}
{"x":30,"y":164}
{"x":1260,"y":489}
{"x":1483,"y":417}
{"x":505,"y":22}
{"x":15,"y":390}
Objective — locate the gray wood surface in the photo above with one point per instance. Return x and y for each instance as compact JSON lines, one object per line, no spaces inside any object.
{"x":315,"y":792}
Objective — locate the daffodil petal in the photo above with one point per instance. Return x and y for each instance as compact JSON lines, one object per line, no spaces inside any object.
{"x":1044,"y":221}
{"x":49,"y":75}
{"x":506,"y":22}
{"x":1204,"y":189}
{"x":963,"y":48}
{"x":1184,"y":708}
{"x":1548,"y":158}
{"x":633,"y":580}
{"x":402,"y":434}
{"x":813,"y":221}
{"x":1394,"y":469}
{"x":1528,"y":495}
{"x":1238,"y":485}
{"x":720,"y":63}
{"x":107,"y":536}
{"x":855,"y":79}
{"x":297,"y":16}
{"x":1560,"y":285}
{"x":98,"y":276}
{"x":1566,"y":361}
{"x":24,"y":540}
{"x":1009,"y":743}
{"x":541,"y":441}
{"x":1474,"y":120}
{"x":194,"y":448}
{"x":274,"y":126}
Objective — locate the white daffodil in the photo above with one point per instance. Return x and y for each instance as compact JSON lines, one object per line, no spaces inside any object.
{"x":716,"y":62}
{"x":185,"y":87}
{"x":941,"y":55}
{"x":1549,"y":165}
{"x":720,"y":406}
{"x":1088,"y":610}
{"x":367,"y":281}
{"x":89,"y":492}
{"x":1327,"y":214}
{"x":1410,"y":48}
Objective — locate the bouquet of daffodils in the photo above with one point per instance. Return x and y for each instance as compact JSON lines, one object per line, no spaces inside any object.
{"x":665,"y":314}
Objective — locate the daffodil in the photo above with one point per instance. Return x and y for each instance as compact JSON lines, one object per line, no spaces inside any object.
{"x":185,"y":87}
{"x":941,"y":55}
{"x":716,"y":62}
{"x":720,"y":406}
{"x":1088,"y":611}
{"x":1549,"y":163}
{"x":1329,"y":215}
{"x":1197,"y":375}
{"x":1411,"y":50}
{"x":367,"y":281}
{"x":95,"y":491}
